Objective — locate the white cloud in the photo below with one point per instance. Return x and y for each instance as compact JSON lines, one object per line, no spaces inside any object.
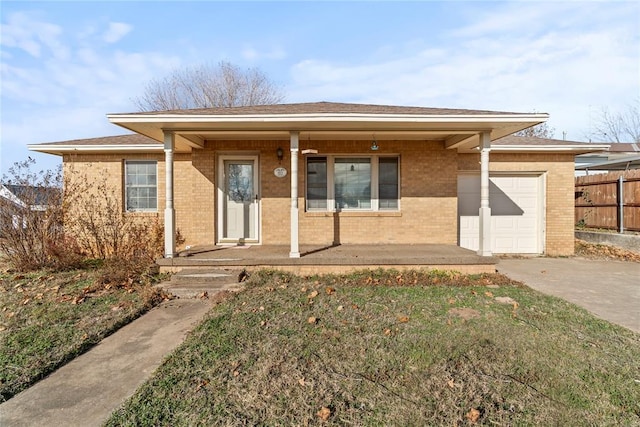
{"x":116,"y":31}
{"x":518,"y":60}
{"x":26,"y":32}
{"x":66,"y":95}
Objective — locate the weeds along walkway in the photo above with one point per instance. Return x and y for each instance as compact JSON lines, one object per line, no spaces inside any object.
{"x":88,"y":389}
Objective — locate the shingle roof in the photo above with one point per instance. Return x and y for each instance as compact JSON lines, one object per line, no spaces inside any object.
{"x":532,"y":140}
{"x":131,"y":139}
{"x":624,"y":147}
{"x":324,"y":108}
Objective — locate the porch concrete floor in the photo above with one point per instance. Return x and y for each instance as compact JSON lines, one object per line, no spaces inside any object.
{"x":332,"y":259}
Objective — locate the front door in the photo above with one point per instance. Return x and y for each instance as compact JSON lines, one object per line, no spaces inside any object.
{"x":240,"y":201}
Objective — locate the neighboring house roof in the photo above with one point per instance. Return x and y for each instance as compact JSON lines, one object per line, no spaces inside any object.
{"x":624,"y":147}
{"x":7,"y":194}
{"x":619,"y":156}
{"x":624,"y":163}
{"x":22,"y":195}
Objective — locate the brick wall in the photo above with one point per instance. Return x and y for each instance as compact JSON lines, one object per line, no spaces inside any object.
{"x":428,"y":189}
{"x":559,"y":171}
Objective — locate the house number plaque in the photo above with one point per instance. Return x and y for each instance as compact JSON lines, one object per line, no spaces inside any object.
{"x":280,"y":172}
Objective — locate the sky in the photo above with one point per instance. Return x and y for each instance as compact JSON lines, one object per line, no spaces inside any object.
{"x":65,"y":65}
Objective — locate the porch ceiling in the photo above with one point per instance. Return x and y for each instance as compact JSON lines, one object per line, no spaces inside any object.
{"x":458,"y":132}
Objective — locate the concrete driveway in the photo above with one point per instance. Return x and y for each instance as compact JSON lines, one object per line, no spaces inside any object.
{"x":608,"y":289}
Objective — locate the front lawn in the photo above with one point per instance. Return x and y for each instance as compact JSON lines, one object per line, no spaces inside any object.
{"x":46,"y":319}
{"x":389,"y":348}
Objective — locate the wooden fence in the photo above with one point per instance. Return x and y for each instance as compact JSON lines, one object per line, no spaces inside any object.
{"x":610,"y":201}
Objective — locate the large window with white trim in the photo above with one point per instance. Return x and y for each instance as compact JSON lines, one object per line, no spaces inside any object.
{"x":359,"y":183}
{"x":141,"y":185}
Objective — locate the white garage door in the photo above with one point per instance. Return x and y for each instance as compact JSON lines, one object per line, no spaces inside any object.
{"x":516,"y":213}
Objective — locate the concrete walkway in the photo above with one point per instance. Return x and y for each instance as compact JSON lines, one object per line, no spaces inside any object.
{"x":88,"y":389}
{"x":608,"y":289}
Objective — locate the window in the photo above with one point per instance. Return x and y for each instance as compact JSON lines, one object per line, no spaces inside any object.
{"x":352,"y":183}
{"x":141,"y":186}
{"x":317,"y":183}
{"x":388,"y":182}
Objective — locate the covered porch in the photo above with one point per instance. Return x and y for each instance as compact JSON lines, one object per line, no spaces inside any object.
{"x":317,"y":259}
{"x":237,"y":198}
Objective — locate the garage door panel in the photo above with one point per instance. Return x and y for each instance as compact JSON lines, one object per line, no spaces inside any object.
{"x":503,"y":223}
{"x":516,"y":211}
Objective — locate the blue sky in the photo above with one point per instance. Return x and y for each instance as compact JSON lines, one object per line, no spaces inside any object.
{"x":65,"y":65}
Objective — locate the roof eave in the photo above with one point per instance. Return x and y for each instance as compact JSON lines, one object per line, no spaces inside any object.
{"x":64,"y":149}
{"x":575,"y":149}
{"x":325,"y":117}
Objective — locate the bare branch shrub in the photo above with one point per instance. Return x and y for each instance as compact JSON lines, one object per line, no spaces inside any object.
{"x":47,"y":221}
{"x":94,"y":215}
{"x":31,"y":231}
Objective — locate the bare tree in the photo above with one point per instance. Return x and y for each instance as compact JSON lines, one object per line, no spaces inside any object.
{"x":539,"y":131}
{"x":618,"y":126}
{"x":206,"y":86}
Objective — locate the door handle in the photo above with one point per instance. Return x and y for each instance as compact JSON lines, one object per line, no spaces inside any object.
{"x":256,"y":198}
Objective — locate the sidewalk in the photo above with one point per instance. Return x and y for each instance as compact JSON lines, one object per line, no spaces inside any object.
{"x":88,"y":389}
{"x":609,"y":289}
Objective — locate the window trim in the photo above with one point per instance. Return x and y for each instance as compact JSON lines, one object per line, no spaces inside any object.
{"x":375,"y":181}
{"x":127,"y":186}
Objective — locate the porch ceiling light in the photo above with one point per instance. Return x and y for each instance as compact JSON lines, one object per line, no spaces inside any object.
{"x":280,"y":153}
{"x":374,"y":145}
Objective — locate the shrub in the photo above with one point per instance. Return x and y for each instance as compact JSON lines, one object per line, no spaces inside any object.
{"x":59,"y":222}
{"x":31,"y":216}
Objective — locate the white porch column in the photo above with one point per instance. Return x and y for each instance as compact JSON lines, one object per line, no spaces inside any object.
{"x":484,"y":248}
{"x":169,"y":212}
{"x":294,"y":145}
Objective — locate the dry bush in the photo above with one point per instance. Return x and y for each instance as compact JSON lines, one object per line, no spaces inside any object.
{"x":31,"y":217}
{"x":59,"y":222}
{"x":94,"y":215}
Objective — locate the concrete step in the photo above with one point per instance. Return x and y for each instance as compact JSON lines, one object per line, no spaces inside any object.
{"x":206,"y":276}
{"x":195,"y":283}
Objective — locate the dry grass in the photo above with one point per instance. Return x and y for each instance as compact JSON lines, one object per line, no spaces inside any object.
{"x":46,"y":319}
{"x":388,"y":348}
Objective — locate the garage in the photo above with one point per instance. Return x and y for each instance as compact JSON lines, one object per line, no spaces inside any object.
{"x":517,"y":213}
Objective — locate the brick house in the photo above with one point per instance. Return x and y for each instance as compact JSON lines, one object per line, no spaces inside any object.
{"x":333,"y":173}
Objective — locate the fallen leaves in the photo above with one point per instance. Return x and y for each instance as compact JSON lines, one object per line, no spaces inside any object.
{"x":599,"y":251}
{"x":403,"y":319}
{"x":473,"y":415}
{"x":324,"y":413}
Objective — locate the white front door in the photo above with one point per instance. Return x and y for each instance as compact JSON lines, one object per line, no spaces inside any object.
{"x":239,"y":207}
